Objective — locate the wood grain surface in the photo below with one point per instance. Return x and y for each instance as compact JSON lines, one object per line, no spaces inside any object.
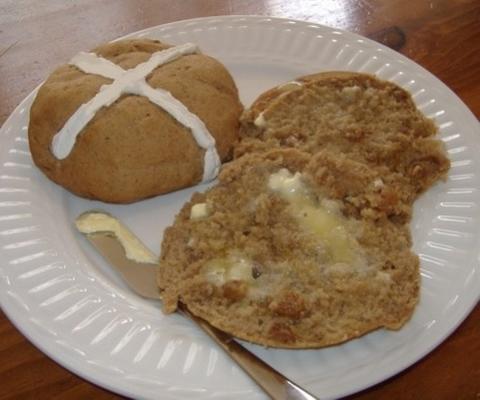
{"x":441,"y":35}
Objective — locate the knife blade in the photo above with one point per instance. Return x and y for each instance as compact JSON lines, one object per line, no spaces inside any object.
{"x":140,"y":277}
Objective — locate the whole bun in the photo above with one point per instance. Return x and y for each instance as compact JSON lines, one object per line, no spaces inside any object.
{"x":133,"y":149}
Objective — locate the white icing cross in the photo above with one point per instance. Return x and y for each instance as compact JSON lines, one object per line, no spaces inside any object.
{"x":133,"y":81}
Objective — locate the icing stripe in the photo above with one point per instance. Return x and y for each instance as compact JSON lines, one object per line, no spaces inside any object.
{"x":133,"y":81}
{"x":90,"y":63}
{"x":177,"y":110}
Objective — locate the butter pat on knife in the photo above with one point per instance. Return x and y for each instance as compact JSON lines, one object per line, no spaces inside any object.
{"x":123,"y":250}
{"x":99,"y":222}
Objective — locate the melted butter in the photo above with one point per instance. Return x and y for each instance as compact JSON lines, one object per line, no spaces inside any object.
{"x":218,"y":271}
{"x":260,"y":121}
{"x":199,"y":210}
{"x":319,"y":218}
{"x":328,"y":227}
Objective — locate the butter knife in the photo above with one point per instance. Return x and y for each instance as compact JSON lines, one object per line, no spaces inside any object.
{"x":141,"y":278}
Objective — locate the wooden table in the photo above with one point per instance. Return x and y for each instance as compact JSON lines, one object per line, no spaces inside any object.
{"x":441,"y":35}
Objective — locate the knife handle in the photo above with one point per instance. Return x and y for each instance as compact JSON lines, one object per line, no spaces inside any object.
{"x":276,"y":385}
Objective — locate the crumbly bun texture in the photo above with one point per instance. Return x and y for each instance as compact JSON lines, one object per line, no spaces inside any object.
{"x":133,"y":149}
{"x":258,"y":265}
{"x":370,"y":120}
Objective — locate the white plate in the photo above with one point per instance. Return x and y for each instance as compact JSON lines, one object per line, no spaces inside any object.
{"x":68,"y":302}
